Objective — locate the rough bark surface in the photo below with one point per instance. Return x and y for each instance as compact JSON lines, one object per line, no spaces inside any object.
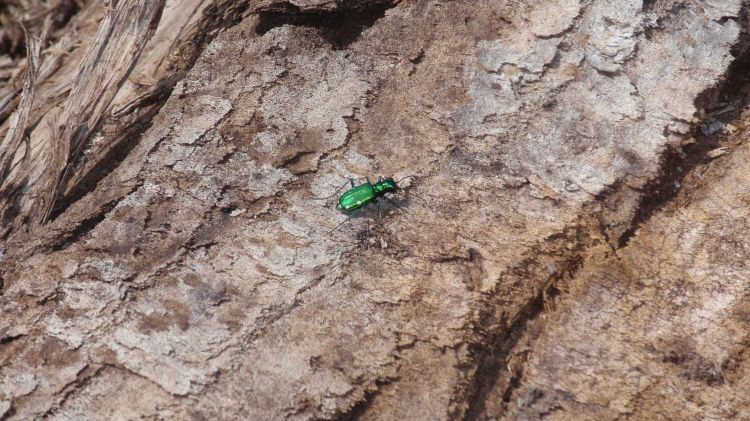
{"x":572,"y":244}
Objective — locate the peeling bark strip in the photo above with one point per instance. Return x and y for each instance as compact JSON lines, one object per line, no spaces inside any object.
{"x":18,"y":127}
{"x":126,"y":28}
{"x":17,"y":133}
{"x":172,"y":51}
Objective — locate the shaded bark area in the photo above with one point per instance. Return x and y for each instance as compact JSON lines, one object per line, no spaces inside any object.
{"x":673,"y":302}
{"x":173,"y":261}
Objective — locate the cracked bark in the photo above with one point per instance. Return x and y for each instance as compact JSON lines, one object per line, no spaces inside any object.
{"x":575,"y":212}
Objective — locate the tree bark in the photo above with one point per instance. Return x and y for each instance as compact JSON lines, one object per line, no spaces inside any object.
{"x":569,"y":240}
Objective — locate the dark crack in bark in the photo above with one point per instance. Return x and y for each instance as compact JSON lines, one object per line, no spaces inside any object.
{"x":719,"y":104}
{"x":339,"y":27}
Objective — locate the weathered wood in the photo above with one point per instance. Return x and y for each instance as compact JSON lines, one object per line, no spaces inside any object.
{"x":552,"y":256}
{"x":16,"y":137}
{"x":122,"y":35}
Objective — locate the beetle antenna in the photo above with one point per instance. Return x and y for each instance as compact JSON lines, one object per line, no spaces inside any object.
{"x":408,"y":176}
{"x":422,"y":199}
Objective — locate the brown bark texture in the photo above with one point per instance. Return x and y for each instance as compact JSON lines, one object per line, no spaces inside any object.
{"x":571,"y":239}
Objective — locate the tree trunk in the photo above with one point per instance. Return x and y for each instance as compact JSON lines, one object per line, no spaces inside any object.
{"x":569,"y":239}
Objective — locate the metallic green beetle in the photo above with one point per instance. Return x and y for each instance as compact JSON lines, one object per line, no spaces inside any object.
{"x":360,"y":196}
{"x":357,"y":197}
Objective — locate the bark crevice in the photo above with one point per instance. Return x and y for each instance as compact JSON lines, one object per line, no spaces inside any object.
{"x":718,"y":105}
{"x":340,"y":27}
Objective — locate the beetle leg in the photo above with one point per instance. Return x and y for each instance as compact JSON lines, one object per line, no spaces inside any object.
{"x":351,"y":180}
{"x":350,"y":216}
{"x":380,"y":213}
{"x":396,"y":205}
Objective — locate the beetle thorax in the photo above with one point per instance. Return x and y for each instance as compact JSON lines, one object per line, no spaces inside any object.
{"x":385,"y":186}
